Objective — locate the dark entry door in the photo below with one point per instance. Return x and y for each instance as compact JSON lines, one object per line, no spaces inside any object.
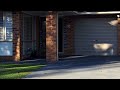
{"x":42,"y":37}
{"x":60,"y":35}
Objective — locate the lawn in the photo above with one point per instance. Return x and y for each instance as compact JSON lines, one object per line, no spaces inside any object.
{"x":17,"y":71}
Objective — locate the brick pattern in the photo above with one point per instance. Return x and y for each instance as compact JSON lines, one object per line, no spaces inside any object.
{"x":6,"y":58}
{"x":17,"y":44}
{"x":68,"y":36}
{"x":17,"y":30}
{"x":51,"y":36}
{"x":118,"y":33}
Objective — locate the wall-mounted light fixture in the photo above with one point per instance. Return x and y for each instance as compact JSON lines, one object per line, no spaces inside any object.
{"x":118,"y":16}
{"x":118,"y":19}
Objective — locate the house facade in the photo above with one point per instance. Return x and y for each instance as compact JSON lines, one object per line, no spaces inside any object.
{"x":54,"y":34}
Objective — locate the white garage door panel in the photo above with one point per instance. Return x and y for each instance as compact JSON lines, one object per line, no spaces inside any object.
{"x":95,"y":36}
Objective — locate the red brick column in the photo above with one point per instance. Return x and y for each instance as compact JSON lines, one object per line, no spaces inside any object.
{"x":68,"y":36}
{"x":118,"y":32}
{"x":17,"y":28}
{"x":51,"y":37}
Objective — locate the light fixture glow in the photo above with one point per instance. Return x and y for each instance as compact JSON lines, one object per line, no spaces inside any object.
{"x":118,"y":16}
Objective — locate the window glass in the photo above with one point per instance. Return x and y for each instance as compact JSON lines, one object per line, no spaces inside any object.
{"x":1,"y":34}
{"x":1,"y":27}
{"x":6,"y":34}
{"x":8,"y":25}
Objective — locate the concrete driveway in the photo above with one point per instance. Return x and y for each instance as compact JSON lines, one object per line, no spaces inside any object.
{"x":80,"y":68}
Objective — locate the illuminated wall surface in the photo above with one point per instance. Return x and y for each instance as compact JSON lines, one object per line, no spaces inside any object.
{"x":51,"y":37}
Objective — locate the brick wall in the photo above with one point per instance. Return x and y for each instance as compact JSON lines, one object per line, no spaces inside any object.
{"x":51,"y":36}
{"x":68,"y":36}
{"x":17,"y":45}
{"x":6,"y":58}
{"x":17,"y":30}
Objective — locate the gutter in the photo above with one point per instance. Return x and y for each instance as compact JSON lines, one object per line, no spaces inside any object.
{"x":94,"y":13}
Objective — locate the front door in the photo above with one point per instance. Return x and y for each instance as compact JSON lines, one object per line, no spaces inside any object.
{"x":42,"y":37}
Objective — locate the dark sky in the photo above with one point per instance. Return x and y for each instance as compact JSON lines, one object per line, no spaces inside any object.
{"x":77,"y":5}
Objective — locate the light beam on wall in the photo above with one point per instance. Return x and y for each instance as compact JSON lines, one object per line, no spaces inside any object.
{"x":113,"y":22}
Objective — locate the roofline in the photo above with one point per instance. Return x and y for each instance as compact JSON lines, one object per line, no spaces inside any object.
{"x":89,"y":13}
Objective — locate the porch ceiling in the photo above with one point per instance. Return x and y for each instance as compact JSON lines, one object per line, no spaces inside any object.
{"x":44,"y":13}
{"x":36,"y":13}
{"x":68,"y":13}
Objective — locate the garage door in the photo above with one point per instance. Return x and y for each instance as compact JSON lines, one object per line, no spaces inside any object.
{"x":95,"y":36}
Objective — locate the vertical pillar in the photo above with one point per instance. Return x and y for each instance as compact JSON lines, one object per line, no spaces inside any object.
{"x":52,"y":36}
{"x":17,"y":26}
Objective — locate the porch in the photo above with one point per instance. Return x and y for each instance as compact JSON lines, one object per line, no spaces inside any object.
{"x":50,"y":35}
{"x":43,"y":35}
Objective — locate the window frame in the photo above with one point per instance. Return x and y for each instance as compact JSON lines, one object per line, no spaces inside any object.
{"x":33,"y":33}
{"x":4,"y":27}
{"x":6,"y":42}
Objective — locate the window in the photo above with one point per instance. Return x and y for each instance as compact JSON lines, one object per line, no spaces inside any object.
{"x":6,"y":34}
{"x":28,"y":36}
{"x":1,"y":27}
{"x":8,"y":27}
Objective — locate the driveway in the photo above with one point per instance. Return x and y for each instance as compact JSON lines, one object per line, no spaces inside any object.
{"x":90,"y":67}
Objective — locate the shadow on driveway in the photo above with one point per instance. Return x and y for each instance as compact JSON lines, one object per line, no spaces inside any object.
{"x":77,"y":65}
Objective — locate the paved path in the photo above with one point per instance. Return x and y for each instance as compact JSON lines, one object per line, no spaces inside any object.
{"x":80,"y":68}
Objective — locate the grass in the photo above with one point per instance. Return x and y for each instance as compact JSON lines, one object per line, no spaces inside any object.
{"x":17,"y":71}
